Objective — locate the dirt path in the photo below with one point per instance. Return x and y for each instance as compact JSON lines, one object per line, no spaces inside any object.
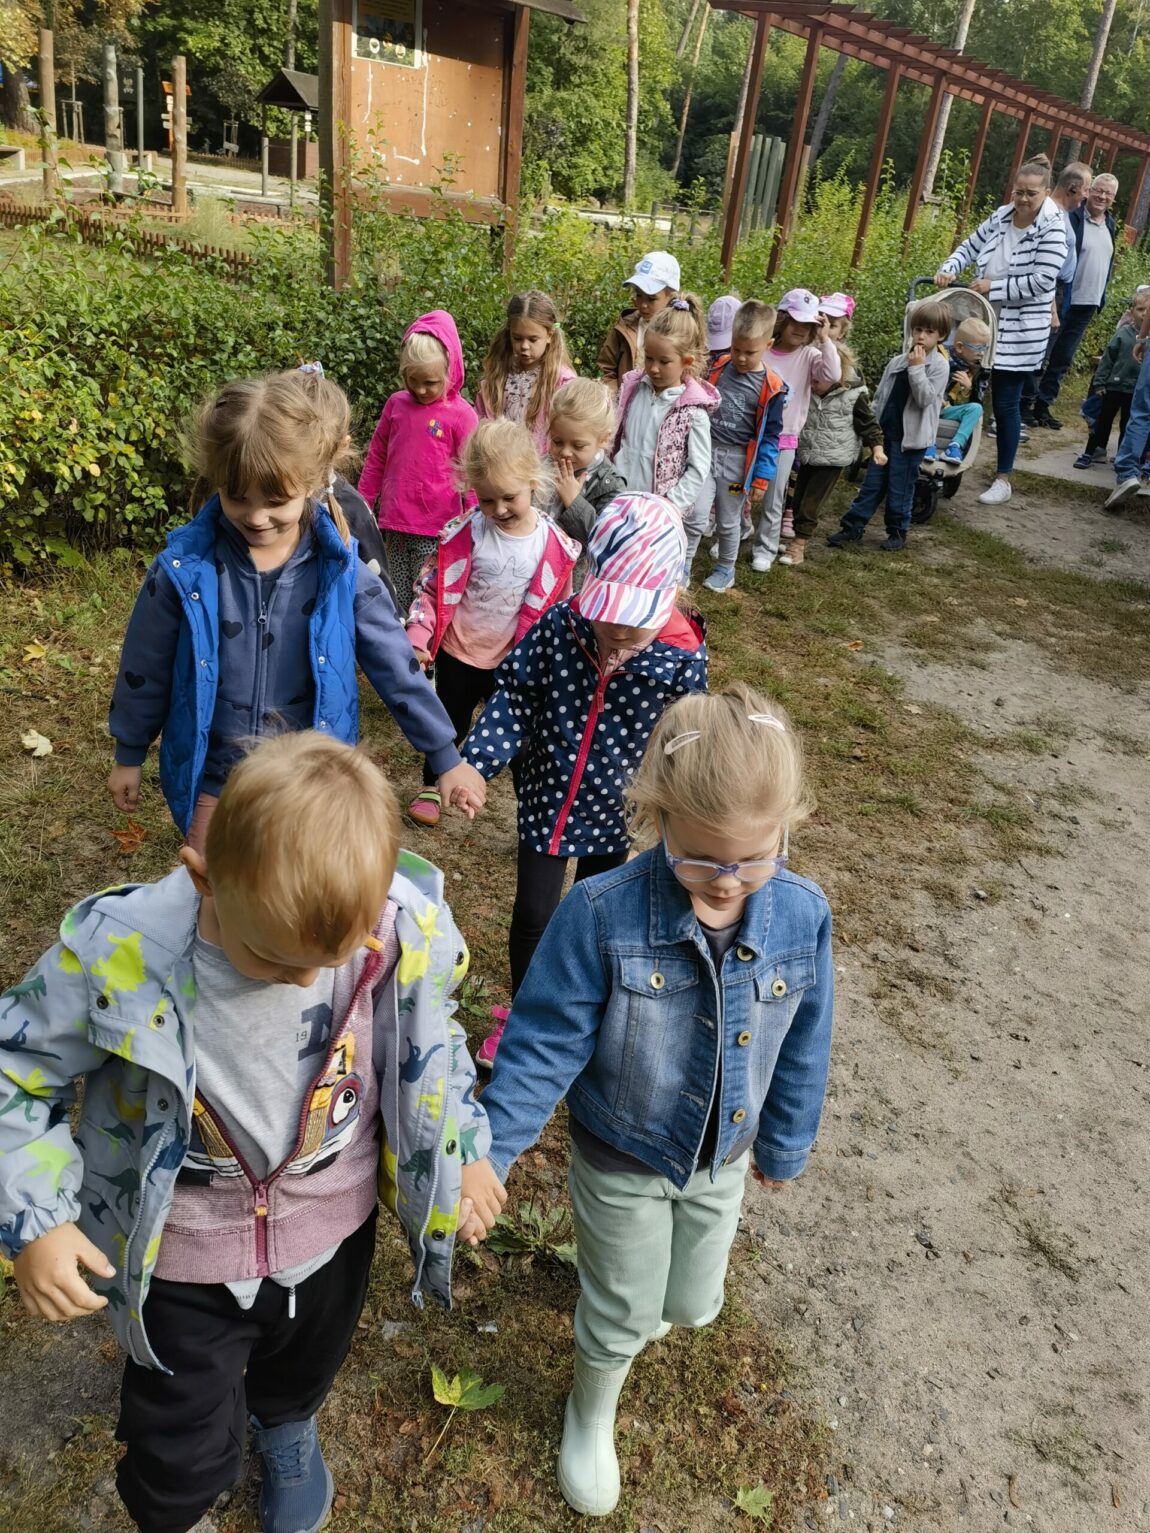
{"x":969,"y":1252}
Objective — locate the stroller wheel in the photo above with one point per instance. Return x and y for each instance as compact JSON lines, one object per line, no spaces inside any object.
{"x":926,"y":492}
{"x":950,"y":486}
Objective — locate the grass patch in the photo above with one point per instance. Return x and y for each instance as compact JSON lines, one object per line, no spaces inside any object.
{"x":1123,"y":743}
{"x":1041,"y":1236}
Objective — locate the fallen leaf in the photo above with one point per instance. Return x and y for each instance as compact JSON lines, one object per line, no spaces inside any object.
{"x":911,"y":708}
{"x":855,"y":644}
{"x":1115,"y":1498}
{"x":1020,"y":601}
{"x":36,"y":743}
{"x":131,"y":838}
{"x":1012,"y":1494}
{"x":34,"y":651}
{"x":754,"y":1502}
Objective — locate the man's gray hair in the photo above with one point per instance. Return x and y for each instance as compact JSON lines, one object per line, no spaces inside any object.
{"x":1106,"y":179}
{"x":1074,"y":176}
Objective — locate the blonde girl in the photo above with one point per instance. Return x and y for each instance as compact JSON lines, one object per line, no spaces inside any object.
{"x":663,"y":439}
{"x":525,"y":366}
{"x":253,"y":618}
{"x":682,"y":1005}
{"x":496,"y":570}
{"x":586,"y":481}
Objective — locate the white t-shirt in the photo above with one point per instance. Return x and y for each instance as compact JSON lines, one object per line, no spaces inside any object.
{"x":1093,"y":263}
{"x":483,"y":628}
{"x":999,"y":263}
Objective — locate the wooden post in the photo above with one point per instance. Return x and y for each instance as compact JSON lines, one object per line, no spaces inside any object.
{"x":516,"y":98}
{"x":180,"y":136}
{"x":747,"y":212}
{"x":916,"y":181}
{"x":746,"y":131}
{"x":139,"y":124}
{"x":264,"y":151}
{"x":878,"y":154}
{"x":335,"y":43}
{"x":1019,"y":154}
{"x":976,"y":160}
{"x":1110,"y":158}
{"x":113,"y":129}
{"x":48,"y":114}
{"x":1140,"y":187}
{"x":793,"y":167}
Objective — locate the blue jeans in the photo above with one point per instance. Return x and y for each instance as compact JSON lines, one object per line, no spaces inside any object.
{"x":1064,"y":343}
{"x":894,"y":483}
{"x":968,"y":417}
{"x":1006,"y":397}
{"x":1128,"y":463}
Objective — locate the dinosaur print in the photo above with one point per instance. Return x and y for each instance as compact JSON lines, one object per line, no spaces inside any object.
{"x":171,"y":1158}
{"x":467,"y":1140}
{"x":123,"y":969}
{"x":419,"y":1167}
{"x":468,"y":1097}
{"x":50,"y":1160}
{"x":98,"y":1209}
{"x":412,"y":1068}
{"x":433,"y":1100}
{"x":119,"y":1133}
{"x":37,"y":985}
{"x":126,"y":1183}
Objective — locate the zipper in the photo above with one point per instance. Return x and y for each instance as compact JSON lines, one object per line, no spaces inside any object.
{"x":584,"y":747}
{"x":260,"y":684}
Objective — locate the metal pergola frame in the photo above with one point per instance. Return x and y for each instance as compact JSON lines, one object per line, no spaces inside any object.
{"x":905,"y":55}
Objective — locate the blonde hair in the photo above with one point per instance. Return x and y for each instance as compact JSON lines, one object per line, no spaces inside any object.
{"x":306,"y":835}
{"x":976,"y":330}
{"x":283,"y":434}
{"x":732,"y":772}
{"x":539,"y":310}
{"x":588,"y":401}
{"x":422,"y":350}
{"x":754,"y":319}
{"x":504,"y":452}
{"x":682,"y":325}
{"x":847,"y":359}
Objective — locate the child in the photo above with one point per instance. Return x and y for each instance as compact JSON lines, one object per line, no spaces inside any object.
{"x":1115,"y":379}
{"x":409,"y":470}
{"x":838,"y":309}
{"x":582,"y":425}
{"x":907,"y":403}
{"x":525,"y":366}
{"x":744,"y":439}
{"x":253,"y":618}
{"x":682,"y":1004}
{"x":966,"y":388}
{"x":496,"y":570}
{"x":653,"y":283}
{"x":720,"y":322}
{"x":840,"y":425}
{"x":801,"y":353}
{"x":663,"y":439}
{"x":577,"y":699}
{"x":234,"y":1025}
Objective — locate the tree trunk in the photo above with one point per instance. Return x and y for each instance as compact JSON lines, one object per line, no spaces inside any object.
{"x":826,"y":106}
{"x":14,"y":109}
{"x":630,"y":148}
{"x":733,"y":150}
{"x":113,"y":133}
{"x":1090,"y":85}
{"x":687,"y":26}
{"x":289,"y":40}
{"x":934,"y":157}
{"x":690,"y":90}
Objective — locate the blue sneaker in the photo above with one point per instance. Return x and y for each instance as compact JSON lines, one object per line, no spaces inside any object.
{"x":298,"y":1490}
{"x":953,"y":453}
{"x":721,"y":578}
{"x":931,"y":453}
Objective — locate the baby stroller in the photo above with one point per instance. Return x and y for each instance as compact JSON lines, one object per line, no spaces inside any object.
{"x":939,"y":477}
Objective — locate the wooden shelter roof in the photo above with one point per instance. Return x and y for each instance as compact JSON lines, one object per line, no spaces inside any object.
{"x":292,"y":89}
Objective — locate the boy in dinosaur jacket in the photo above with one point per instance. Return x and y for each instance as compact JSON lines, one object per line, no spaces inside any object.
{"x":267,"y":1044}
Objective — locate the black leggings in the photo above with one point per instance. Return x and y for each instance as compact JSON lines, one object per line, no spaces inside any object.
{"x":460,"y":688}
{"x":1112,"y":405}
{"x":538,"y":890}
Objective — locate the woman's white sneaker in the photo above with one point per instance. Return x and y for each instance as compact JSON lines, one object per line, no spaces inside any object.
{"x":997,"y":494}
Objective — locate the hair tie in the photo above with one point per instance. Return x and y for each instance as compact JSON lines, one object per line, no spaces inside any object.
{"x":311,"y":367}
{"x":680,"y":303}
{"x":768,"y":719}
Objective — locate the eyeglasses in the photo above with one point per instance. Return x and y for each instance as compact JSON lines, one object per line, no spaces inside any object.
{"x":972,"y":346}
{"x":701,"y":870}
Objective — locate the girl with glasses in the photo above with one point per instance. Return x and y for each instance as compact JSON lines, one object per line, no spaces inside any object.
{"x":682,"y":1004}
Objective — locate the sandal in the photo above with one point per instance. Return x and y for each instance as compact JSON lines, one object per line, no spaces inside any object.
{"x":426,"y":807}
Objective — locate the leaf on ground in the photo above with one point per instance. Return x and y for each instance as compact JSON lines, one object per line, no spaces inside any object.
{"x":131,"y":838}
{"x":466,"y":1391}
{"x":754,"y":1501}
{"x":856,"y":644}
{"x":36,"y":743}
{"x":34,"y":651}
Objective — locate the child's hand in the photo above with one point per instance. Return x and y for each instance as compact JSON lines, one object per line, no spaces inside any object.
{"x":50,"y":1284}
{"x":880,"y":457}
{"x":964,"y":380}
{"x":464,"y":788}
{"x":124,"y":786}
{"x":916,"y":356}
{"x":756,"y":496}
{"x":765,"y":1181}
{"x":482,"y":1198}
{"x":824,"y":329}
{"x":566,"y":483}
{"x":423,"y":656}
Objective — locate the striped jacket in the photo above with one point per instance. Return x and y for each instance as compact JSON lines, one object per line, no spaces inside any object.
{"x":1024,"y":295}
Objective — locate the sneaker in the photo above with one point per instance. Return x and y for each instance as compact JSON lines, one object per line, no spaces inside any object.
{"x":1121,"y":492}
{"x":426,"y":807}
{"x":992,"y":426}
{"x":931,"y":453}
{"x":1028,"y":418}
{"x":998,"y":493}
{"x":952,"y":453}
{"x":721,"y":578}
{"x":1043,"y":417}
{"x":893,"y":543}
{"x":761,"y":563}
{"x":787,"y":530}
{"x":1084,"y":460}
{"x":485,"y":1053}
{"x":297,"y":1492}
{"x":796,"y":554}
{"x":843,"y":538}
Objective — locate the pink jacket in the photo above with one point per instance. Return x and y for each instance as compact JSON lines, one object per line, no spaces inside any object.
{"x":410,"y":468}
{"x":798,"y":370}
{"x":444,"y":578}
{"x":541,"y":432}
{"x":674,"y":433}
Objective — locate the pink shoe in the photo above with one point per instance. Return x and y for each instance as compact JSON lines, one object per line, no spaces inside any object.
{"x":485,"y":1054}
{"x":788,"y":529}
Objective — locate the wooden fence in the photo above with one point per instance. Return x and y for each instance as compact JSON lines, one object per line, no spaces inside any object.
{"x":98,"y":231}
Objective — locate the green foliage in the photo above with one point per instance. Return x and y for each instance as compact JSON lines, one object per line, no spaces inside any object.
{"x":537,"y":1231}
{"x":465,"y":1392}
{"x":754,"y":1502}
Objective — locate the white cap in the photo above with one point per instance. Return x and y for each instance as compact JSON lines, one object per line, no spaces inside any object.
{"x":801,"y":304}
{"x":720,"y":318}
{"x":654,"y":272}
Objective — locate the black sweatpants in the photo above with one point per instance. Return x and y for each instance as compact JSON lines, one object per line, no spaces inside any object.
{"x":460,"y":687}
{"x":810,"y":487}
{"x":1114,"y":406}
{"x":186,"y":1431}
{"x":538,"y":890}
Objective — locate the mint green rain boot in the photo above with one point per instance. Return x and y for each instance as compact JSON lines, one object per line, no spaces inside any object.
{"x":588,"y":1468}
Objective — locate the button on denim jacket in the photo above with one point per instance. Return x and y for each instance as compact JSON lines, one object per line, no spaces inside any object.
{"x":623,"y":1013}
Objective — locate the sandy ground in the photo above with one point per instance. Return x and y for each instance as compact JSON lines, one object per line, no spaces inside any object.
{"x":966,"y":1258}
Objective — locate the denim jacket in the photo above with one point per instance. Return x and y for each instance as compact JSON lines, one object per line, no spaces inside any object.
{"x":623,"y":1013}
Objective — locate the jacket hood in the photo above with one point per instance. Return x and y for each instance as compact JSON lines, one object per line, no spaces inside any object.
{"x":440,"y":324}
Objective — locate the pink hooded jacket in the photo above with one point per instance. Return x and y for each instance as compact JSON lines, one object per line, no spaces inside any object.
{"x":409,"y":468}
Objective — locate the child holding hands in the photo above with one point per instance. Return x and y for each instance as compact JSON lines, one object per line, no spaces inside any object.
{"x":682,"y":1004}
{"x":526,"y":365}
{"x":409,"y":469}
{"x":496,"y":570}
{"x":253,"y":1031}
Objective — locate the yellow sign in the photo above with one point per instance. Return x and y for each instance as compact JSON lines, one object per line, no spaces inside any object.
{"x":388,"y":31}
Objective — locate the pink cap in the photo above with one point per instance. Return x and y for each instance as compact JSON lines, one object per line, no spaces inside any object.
{"x":837,"y":305}
{"x":801,"y":304}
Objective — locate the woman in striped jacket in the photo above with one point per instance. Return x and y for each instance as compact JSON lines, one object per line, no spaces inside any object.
{"x":1017,"y":253}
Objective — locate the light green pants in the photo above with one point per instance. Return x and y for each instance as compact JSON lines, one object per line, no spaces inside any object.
{"x":648,"y":1252}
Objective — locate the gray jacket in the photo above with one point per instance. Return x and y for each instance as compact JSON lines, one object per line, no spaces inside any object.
{"x":924,"y":406}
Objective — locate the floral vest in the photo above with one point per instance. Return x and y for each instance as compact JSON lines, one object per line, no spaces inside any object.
{"x":674,"y":433}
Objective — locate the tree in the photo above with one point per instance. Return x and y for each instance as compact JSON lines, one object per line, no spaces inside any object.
{"x":630,"y":143}
{"x":18,"y":43}
{"x":958,"y":43}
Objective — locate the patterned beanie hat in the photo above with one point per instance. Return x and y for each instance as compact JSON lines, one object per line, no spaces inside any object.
{"x":637,"y":549}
